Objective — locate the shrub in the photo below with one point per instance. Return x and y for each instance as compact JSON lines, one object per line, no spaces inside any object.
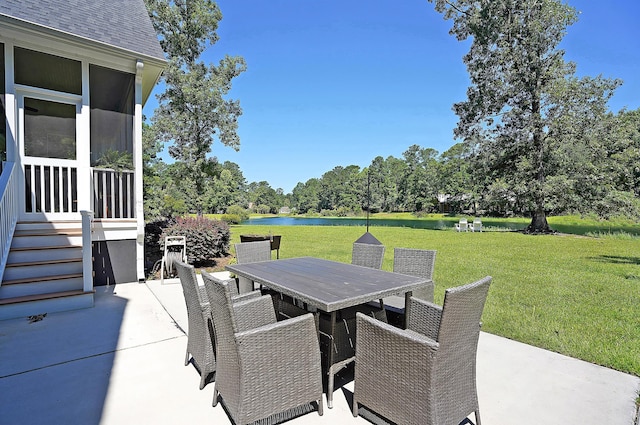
{"x":231,"y":218}
{"x":242,"y":213}
{"x":206,"y":239}
{"x":152,"y":246}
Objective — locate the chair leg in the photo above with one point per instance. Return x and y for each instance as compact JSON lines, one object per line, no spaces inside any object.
{"x":186,"y":358}
{"x":477,"y":415}
{"x":355,"y":406}
{"x":320,"y":406}
{"x":203,"y":380}
{"x":215,"y":396}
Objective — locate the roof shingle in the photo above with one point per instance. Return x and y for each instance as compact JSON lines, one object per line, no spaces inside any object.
{"x":123,"y":24}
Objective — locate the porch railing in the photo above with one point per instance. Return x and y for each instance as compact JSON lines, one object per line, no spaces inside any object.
{"x":113,"y":193}
{"x":9,"y":208}
{"x":51,"y":188}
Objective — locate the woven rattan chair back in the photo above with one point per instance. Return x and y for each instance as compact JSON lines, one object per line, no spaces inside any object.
{"x":434,"y":382}
{"x":220,"y":293}
{"x":367,"y":255}
{"x":416,"y":262}
{"x":458,"y":338}
{"x":267,"y":370}
{"x":253,"y":252}
{"x":200,"y":338}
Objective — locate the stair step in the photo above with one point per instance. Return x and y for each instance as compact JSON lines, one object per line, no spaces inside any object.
{"x":42,"y":248}
{"x":40,"y":297}
{"x":48,"y":225}
{"x":47,"y":232}
{"x":44,"y":263}
{"x":46,"y":285}
{"x":41,"y":279}
{"x":36,"y":270}
{"x":24,"y":306}
{"x":43,"y":240}
{"x":44,"y":253}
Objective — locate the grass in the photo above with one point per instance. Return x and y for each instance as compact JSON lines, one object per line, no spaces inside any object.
{"x":571,"y":294}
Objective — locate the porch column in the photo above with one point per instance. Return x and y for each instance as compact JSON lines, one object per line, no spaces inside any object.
{"x":83,"y":141}
{"x":10,"y":105}
{"x":137,"y":158}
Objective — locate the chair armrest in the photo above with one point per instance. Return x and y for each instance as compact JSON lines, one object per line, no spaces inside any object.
{"x":246,"y":296}
{"x":424,"y":317}
{"x":281,"y":360}
{"x":385,"y":353}
{"x":253,"y":313}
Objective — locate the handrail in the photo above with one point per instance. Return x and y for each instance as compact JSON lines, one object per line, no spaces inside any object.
{"x":9,"y":209}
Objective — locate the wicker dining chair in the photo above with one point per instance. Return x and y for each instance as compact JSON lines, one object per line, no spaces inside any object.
{"x":425,"y":375}
{"x":416,"y":262}
{"x":367,"y":255}
{"x":251,"y":252}
{"x":266,"y":369}
{"x":200,"y":348}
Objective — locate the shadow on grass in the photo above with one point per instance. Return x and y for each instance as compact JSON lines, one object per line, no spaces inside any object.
{"x":616,"y":259}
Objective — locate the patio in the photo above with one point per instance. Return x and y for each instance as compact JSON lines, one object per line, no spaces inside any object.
{"x":122,"y":362}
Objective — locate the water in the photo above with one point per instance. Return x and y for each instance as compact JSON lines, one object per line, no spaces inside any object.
{"x":416,"y":224}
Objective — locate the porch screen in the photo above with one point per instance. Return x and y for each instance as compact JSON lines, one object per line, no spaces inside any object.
{"x":112,"y":108}
{"x":37,"y":69}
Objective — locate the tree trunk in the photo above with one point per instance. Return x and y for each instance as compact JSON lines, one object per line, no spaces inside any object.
{"x":538,"y":222}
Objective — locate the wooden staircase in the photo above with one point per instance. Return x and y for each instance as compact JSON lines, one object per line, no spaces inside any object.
{"x":44,"y":270}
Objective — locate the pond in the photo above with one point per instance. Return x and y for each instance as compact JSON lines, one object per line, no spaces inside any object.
{"x":416,"y":224}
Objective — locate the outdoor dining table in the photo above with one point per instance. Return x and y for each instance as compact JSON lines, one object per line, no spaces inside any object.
{"x":328,"y":286}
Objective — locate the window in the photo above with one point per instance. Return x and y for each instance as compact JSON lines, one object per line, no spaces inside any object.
{"x":46,"y":71}
{"x":112,"y":108}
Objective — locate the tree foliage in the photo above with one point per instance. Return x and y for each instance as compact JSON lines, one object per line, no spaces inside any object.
{"x":194,"y":110}
{"x":522,"y":93}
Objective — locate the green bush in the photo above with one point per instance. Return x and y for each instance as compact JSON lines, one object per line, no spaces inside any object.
{"x":237,"y":210}
{"x":206,"y":239}
{"x":231,"y":218}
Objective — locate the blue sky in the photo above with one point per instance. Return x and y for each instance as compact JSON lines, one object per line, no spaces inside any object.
{"x":339,"y":82}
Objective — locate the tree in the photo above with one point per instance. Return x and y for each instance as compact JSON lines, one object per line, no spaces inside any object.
{"x":456,"y":177}
{"x":518,"y":81}
{"x":305,"y":197}
{"x":420,"y":185}
{"x":342,"y":188}
{"x":194,"y":110}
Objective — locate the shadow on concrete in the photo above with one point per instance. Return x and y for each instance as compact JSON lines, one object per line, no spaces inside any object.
{"x":64,"y":360}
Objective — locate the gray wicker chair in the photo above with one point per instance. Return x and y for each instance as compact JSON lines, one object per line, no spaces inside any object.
{"x":367,"y":255}
{"x":416,"y":262}
{"x":200,"y":339}
{"x":426,"y":374}
{"x":251,"y":252}
{"x":266,"y":369}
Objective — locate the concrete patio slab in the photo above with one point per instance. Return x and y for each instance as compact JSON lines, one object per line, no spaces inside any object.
{"x":121,"y":362}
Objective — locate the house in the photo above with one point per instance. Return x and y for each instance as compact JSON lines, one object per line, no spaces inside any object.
{"x":74,"y":76}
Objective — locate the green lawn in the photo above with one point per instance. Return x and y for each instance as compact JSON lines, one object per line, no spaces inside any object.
{"x":572,"y":294}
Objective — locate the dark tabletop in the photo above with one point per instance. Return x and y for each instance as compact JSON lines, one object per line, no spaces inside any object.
{"x":327,"y":285}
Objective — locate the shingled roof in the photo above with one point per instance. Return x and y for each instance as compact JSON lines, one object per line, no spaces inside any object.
{"x":123,"y":24}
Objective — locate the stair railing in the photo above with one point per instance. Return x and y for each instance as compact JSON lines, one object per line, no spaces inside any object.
{"x":9,"y":211}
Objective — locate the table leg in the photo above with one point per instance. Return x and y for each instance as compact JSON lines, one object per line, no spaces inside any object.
{"x":330,"y":359}
{"x":407,"y":306}
{"x":244,"y":285}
